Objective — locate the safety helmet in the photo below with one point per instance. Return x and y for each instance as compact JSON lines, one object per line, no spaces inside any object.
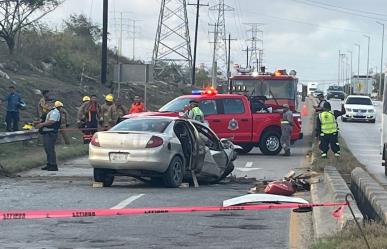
{"x":58,"y":104}
{"x":109,"y":98}
{"x":86,"y":98}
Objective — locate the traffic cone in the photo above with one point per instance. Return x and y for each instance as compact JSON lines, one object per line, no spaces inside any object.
{"x":304,"y":110}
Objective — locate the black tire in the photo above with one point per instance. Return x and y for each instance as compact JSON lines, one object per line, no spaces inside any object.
{"x":246,"y":148}
{"x":343,"y":119}
{"x":385,"y":170}
{"x":104,"y":176}
{"x":372,"y":121}
{"x":270,"y":142}
{"x":173,"y":177}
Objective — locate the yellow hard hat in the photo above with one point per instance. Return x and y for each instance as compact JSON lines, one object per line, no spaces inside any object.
{"x":86,"y":98}
{"x":58,"y":104}
{"x":28,"y":126}
{"x":109,"y":98}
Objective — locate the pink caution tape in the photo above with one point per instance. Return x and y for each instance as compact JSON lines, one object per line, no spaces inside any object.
{"x":44,"y":214}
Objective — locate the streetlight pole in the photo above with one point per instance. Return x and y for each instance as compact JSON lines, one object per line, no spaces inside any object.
{"x":351,"y":74}
{"x":358,"y":59}
{"x":368,"y":55}
{"x":338,"y":70}
{"x":381,"y":63}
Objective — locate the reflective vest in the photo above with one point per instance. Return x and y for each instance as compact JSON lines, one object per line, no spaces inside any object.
{"x":328,"y":122}
{"x":197,"y":114}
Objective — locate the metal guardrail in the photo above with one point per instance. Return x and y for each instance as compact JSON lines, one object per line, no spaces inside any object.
{"x":17,"y":136}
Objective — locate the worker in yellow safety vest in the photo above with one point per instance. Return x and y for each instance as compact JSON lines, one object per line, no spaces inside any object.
{"x":327,"y":130}
{"x":194,"y":112}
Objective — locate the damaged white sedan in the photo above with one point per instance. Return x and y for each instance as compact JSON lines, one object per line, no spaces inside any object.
{"x":161,"y":148}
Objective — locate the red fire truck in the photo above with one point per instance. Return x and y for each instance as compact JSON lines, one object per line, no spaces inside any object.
{"x":251,"y":119}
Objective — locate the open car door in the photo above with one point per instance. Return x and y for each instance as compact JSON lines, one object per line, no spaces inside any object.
{"x":216,"y":159}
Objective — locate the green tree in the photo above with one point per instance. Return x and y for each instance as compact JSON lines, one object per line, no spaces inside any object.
{"x":18,"y":14}
{"x":376,"y":83}
{"x":79,"y":25}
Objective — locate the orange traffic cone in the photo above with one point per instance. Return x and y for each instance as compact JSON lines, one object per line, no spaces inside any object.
{"x":304,"y":110}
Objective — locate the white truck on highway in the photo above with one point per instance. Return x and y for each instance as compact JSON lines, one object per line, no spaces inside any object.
{"x":361,"y":85}
{"x":312,"y":86}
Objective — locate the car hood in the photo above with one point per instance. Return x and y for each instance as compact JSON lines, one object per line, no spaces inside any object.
{"x":146,"y":114}
{"x":364,"y":107}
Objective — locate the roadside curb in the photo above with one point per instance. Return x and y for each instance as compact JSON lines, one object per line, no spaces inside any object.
{"x":331,"y":187}
{"x":370,"y":194}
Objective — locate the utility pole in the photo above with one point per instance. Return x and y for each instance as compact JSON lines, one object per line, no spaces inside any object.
{"x":247,"y":56}
{"x":358,"y":59}
{"x":368,"y":55}
{"x":381,"y":63}
{"x":198,"y":5}
{"x":214,"y":61}
{"x":104,"y":41}
{"x":338,"y":69}
{"x":229,"y":62}
{"x":254,"y":39}
{"x":351,"y":74}
{"x":172,"y":42}
{"x":134,"y":36}
{"x":219,"y":10}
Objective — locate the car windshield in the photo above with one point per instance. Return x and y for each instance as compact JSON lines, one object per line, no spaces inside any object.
{"x":359,"y":101}
{"x":176,"y":105}
{"x":335,"y":88}
{"x":148,"y":125}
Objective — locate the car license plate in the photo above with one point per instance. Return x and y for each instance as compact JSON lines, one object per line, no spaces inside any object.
{"x":118,"y":157}
{"x":336,"y":96}
{"x":359,"y":114}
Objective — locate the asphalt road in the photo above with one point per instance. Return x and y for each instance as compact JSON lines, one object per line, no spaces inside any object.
{"x":364,"y":141}
{"x":71,"y":188}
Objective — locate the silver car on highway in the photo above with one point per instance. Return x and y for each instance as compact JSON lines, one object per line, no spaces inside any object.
{"x":161,"y":148}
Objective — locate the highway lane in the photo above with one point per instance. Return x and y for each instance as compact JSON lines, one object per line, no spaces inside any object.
{"x":71,"y":188}
{"x":363,"y":139}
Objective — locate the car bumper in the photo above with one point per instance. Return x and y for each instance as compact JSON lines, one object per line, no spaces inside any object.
{"x":156,"y":159}
{"x":362,"y":116}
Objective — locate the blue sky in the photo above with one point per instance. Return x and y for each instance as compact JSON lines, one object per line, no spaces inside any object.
{"x":297,"y":33}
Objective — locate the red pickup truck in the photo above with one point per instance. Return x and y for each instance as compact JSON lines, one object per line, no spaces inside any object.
{"x":231,"y":116}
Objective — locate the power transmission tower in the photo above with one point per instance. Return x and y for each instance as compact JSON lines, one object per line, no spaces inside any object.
{"x":256,"y":53}
{"x":220,"y":44}
{"x":172,"y":43}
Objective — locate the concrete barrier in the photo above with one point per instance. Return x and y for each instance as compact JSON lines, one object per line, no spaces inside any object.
{"x":331,"y":187}
{"x":371,"y":196}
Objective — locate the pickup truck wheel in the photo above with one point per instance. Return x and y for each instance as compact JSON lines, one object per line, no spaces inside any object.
{"x":270,"y":143}
{"x":173,"y":177}
{"x":343,"y":119}
{"x":246,"y":148}
{"x":102,"y":175}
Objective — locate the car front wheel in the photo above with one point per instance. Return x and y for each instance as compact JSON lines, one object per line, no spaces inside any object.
{"x":104,"y":176}
{"x":173,"y":177}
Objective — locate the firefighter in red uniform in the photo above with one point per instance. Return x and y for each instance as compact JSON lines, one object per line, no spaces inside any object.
{"x":137,"y":106}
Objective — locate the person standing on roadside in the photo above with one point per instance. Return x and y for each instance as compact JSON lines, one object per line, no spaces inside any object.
{"x":89,"y":113}
{"x":322,"y":101}
{"x":43,"y":106}
{"x":194,"y":112}
{"x":286,"y":129}
{"x":49,"y":130}
{"x":64,"y":123}
{"x":118,"y":111}
{"x":108,"y":109}
{"x":327,"y":130}
{"x":137,"y":106}
{"x":13,"y":105}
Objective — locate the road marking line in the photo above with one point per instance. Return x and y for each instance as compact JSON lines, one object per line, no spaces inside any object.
{"x":249,"y":164}
{"x":247,"y":169}
{"x":127,"y":201}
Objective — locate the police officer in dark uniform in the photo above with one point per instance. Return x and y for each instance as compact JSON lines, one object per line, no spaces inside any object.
{"x":49,"y":129}
{"x":322,"y":101}
{"x":327,"y":130}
